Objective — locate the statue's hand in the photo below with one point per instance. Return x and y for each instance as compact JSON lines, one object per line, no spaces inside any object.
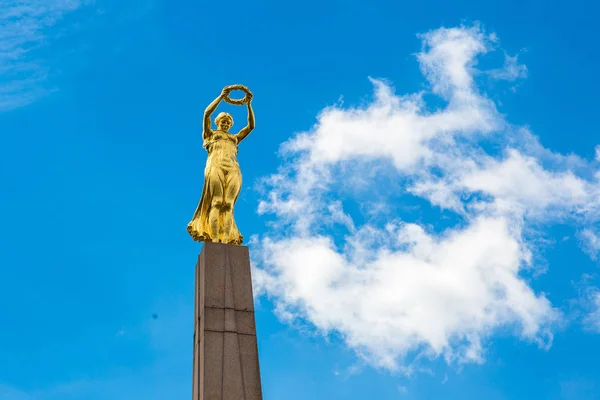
{"x":226,"y":90}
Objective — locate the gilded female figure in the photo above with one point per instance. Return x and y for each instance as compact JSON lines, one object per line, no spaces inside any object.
{"x":213,"y":219}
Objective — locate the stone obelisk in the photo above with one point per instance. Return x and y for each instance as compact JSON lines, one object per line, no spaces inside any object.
{"x":225,"y":348}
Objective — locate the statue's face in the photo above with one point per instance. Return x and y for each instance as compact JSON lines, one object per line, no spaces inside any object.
{"x":224,"y":124}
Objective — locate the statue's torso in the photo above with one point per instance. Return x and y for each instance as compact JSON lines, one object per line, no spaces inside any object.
{"x":222,"y":150}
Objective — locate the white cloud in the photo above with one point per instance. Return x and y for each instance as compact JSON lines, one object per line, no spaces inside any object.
{"x":511,"y":71}
{"x":516,"y":184}
{"x":415,"y":290}
{"x":593,"y":319}
{"x":591,"y":302}
{"x":590,"y":241}
{"x":23,"y":24}
{"x":395,"y":289}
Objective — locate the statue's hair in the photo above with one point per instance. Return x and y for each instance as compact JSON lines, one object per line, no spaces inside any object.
{"x":223,"y":115}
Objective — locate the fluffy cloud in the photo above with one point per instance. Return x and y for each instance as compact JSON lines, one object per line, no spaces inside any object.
{"x":590,"y":242}
{"x":350,"y":263}
{"x":22,"y":31}
{"x":445,"y":293}
{"x":592,"y":320}
{"x":511,"y":70}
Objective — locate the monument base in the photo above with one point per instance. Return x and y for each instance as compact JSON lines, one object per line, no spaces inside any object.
{"x":225,"y":348}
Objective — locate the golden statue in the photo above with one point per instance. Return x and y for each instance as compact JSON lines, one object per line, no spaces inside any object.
{"x":213,"y":220}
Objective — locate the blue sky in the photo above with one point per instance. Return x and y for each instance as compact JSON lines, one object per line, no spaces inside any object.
{"x":420,"y":195}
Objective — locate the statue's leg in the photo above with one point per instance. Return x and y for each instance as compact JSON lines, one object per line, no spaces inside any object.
{"x":216,"y":183}
{"x":232,"y":190}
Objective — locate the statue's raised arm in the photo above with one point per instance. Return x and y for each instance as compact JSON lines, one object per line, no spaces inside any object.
{"x":250,"y":127}
{"x":207,"y":127}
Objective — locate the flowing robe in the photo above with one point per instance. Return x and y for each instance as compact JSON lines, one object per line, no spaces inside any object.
{"x":222,"y":170}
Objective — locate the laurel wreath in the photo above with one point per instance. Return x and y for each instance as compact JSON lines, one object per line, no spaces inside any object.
{"x":243,"y":100}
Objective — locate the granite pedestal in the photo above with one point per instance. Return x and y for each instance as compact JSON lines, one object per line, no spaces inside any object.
{"x":225,"y":348}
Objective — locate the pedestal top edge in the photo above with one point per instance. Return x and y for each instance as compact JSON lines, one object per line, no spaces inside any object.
{"x":222,"y":245}
{"x":232,"y":250}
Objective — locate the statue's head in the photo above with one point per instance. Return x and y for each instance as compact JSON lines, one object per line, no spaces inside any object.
{"x":224,"y":121}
